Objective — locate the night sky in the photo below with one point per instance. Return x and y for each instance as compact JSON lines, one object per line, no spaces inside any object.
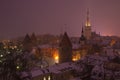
{"x":18,"y":17}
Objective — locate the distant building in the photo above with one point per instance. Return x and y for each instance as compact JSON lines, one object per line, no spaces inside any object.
{"x":29,"y":42}
{"x":82,"y":39}
{"x":61,"y":49}
{"x":34,"y":39}
{"x":56,"y":72}
{"x":65,"y":49}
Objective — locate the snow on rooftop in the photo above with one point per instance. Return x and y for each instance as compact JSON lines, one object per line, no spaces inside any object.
{"x":58,"y":68}
{"x":36,"y":73}
{"x":110,"y":52}
{"x":24,"y":74}
{"x":94,"y":59}
{"x":48,"y":46}
{"x":76,"y":78}
{"x":75,"y":46}
{"x":98,"y":68}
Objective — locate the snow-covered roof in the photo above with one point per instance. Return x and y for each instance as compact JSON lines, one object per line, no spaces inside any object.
{"x":76,"y":78}
{"x":94,"y":59}
{"x":48,"y":46}
{"x":75,"y":46}
{"x":98,"y":68}
{"x":36,"y":73}
{"x":58,"y":68}
{"x":109,"y":52}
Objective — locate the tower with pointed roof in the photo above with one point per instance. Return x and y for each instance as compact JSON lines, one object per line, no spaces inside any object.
{"x":87,"y":28}
{"x":82,"y":39}
{"x":27,"y":43}
{"x":27,"y":39}
{"x":65,"y":49}
{"x":33,"y":39}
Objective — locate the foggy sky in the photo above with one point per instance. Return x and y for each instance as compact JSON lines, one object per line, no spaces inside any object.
{"x":18,"y":17}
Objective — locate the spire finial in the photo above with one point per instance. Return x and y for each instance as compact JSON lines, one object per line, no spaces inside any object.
{"x":82,"y":29}
{"x":87,"y":20}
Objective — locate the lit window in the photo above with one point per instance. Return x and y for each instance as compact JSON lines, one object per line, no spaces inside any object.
{"x":8,"y":52}
{"x":1,"y":55}
{"x":44,"y":78}
{"x":15,"y":46}
{"x":48,"y":77}
{"x":56,"y":57}
{"x":17,"y":67}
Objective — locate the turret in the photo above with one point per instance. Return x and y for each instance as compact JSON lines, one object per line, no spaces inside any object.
{"x":82,"y":39}
{"x":33,"y":39}
{"x":65,"y":49}
{"x":27,"y":43}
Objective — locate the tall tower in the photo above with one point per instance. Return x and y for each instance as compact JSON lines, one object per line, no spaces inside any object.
{"x":33,"y":39}
{"x":27,"y":43}
{"x":87,"y":28}
{"x":65,"y":49}
{"x":82,"y":39}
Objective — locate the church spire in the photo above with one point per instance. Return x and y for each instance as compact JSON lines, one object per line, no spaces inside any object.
{"x":87,"y":23}
{"x":82,"y":31}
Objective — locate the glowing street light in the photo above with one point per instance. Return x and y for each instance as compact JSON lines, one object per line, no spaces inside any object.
{"x":17,"y":67}
{"x":1,"y":55}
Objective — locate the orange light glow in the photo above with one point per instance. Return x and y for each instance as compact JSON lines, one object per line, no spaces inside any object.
{"x":87,"y":24}
{"x":112,"y":42}
{"x":76,"y":57}
{"x":56,"y":57}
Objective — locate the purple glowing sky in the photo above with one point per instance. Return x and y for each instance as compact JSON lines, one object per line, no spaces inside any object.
{"x":18,"y":17}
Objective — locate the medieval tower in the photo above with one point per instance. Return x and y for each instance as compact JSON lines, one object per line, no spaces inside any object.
{"x":65,"y":49}
{"x":87,"y":28}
